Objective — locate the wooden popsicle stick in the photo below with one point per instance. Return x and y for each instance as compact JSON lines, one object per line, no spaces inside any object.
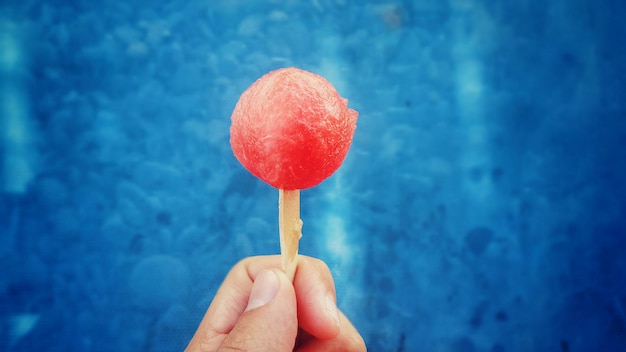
{"x":290,"y":229}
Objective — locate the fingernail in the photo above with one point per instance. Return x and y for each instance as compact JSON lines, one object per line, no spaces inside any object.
{"x":264,"y":289}
{"x":331,"y":309}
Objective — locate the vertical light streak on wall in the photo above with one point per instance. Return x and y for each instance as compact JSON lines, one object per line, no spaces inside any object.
{"x":470,"y":32}
{"x":16,"y":151}
{"x":16,"y":143}
{"x":339,"y":241}
{"x":15,"y":131}
{"x":341,"y":244}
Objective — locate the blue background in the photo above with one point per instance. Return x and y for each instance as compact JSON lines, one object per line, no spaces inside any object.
{"x":481,"y":207}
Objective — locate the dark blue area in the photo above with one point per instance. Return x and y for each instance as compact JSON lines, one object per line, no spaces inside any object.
{"x":481,"y":207}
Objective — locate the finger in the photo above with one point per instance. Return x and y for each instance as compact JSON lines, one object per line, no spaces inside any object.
{"x":229,"y":303}
{"x":348,"y":340}
{"x":232,"y":297}
{"x":315,"y":291}
{"x":269,"y":322}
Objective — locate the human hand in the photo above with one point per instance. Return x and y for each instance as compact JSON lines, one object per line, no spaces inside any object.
{"x":257,"y":308}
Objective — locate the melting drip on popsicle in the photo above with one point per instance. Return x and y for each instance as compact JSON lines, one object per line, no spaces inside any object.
{"x":292,"y":130}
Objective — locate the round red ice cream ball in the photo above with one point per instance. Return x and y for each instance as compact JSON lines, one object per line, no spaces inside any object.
{"x":291,"y":129}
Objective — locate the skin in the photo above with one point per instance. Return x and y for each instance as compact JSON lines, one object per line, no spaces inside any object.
{"x":298,"y":317}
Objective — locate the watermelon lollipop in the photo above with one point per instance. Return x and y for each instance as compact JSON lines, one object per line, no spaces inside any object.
{"x":292,"y":130}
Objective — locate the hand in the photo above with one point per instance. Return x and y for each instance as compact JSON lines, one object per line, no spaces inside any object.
{"x":258,"y":309}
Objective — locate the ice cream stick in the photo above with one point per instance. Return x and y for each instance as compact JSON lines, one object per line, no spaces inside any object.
{"x":290,"y":228}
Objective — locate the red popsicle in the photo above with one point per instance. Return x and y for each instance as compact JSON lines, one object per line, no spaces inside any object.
{"x":292,"y":130}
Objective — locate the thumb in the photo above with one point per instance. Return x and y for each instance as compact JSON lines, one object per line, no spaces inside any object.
{"x":269,"y":322}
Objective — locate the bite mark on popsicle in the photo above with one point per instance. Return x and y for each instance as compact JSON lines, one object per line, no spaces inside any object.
{"x":292,"y":130}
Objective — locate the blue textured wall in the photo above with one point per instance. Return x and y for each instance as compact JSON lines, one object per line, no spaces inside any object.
{"x":482,"y":206}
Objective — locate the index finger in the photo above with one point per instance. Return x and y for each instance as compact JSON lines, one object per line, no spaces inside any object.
{"x":316,"y":298}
